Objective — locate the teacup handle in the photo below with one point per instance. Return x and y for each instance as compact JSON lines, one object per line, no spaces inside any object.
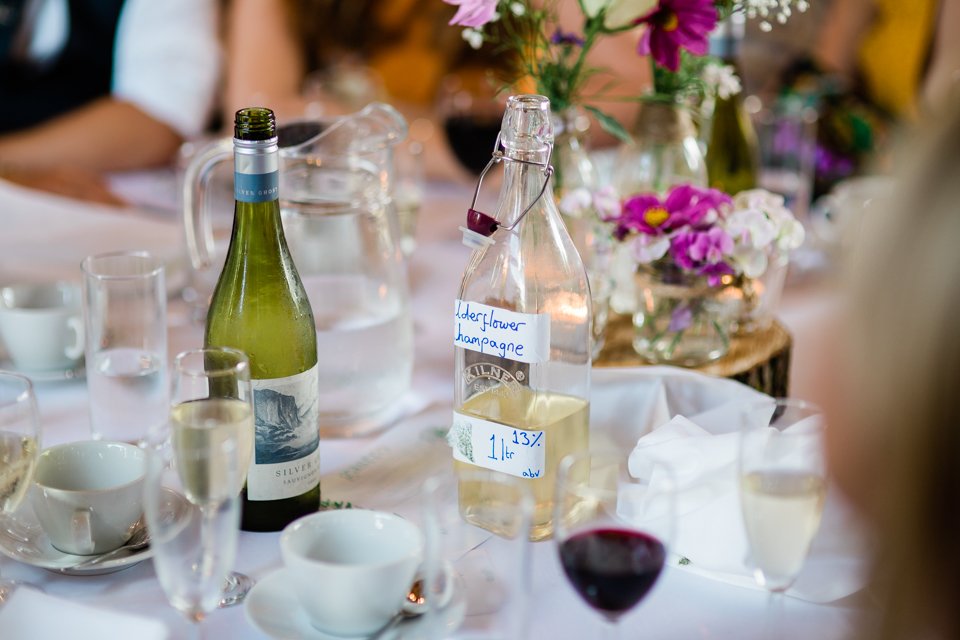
{"x":75,"y":350}
{"x":81,"y":532}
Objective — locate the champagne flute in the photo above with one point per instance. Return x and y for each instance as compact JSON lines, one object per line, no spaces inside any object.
{"x":468,"y":572}
{"x":19,"y":447}
{"x":194,"y":544}
{"x":614,"y":521}
{"x":782,"y":486}
{"x":212,"y":403}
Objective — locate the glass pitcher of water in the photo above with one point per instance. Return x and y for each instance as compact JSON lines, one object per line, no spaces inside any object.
{"x":341,"y":226}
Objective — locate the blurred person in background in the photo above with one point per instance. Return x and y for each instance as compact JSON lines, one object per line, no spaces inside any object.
{"x":894,"y":442}
{"x":329,"y":57}
{"x":94,"y":86}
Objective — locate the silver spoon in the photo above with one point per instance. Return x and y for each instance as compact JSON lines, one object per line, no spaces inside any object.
{"x":414,"y":605}
{"x":139,"y":540}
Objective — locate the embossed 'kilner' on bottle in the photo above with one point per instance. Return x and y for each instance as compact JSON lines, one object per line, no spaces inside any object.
{"x":260,"y":307}
{"x":522,"y":331}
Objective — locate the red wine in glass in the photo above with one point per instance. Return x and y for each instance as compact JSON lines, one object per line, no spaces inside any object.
{"x":612,"y":569}
{"x":471,"y":138}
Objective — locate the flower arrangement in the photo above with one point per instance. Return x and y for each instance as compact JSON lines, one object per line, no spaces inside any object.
{"x":705,"y":232}
{"x":690,"y":247}
{"x":555,"y":60}
{"x":675,"y":36}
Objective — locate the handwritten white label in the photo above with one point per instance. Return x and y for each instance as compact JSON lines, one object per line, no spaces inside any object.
{"x":495,"y":446}
{"x":522,"y":337}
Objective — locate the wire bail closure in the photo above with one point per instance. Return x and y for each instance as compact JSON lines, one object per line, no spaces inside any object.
{"x":480,"y":226}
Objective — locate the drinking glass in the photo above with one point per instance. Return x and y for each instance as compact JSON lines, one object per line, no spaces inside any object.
{"x":471,"y":572}
{"x":787,"y":135}
{"x":783,"y":484}
{"x":614,"y":522}
{"x":213,"y":401}
{"x":471,"y":115}
{"x":408,"y":187}
{"x":194,"y":545}
{"x":19,"y":447}
{"x":125,"y":320}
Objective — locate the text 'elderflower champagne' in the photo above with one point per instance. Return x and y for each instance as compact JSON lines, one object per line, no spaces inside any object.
{"x":260,"y":307}
{"x":522,"y":331}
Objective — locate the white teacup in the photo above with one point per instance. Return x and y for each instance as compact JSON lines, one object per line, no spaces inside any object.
{"x":42,"y":325}
{"x":88,"y":495}
{"x":351,"y":568}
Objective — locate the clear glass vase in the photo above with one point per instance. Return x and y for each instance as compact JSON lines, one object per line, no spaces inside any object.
{"x":575,"y":181}
{"x":758,"y":298}
{"x":664,"y":151}
{"x":680,"y":318}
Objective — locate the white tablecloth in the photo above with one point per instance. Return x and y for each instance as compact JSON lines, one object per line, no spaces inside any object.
{"x":682,"y":606}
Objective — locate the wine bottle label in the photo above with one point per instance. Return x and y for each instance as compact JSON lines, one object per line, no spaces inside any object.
{"x":256,"y":178}
{"x":522,"y":337}
{"x":480,"y":442}
{"x":286,"y":460}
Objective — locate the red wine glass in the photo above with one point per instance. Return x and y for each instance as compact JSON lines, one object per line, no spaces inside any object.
{"x":614,"y":522}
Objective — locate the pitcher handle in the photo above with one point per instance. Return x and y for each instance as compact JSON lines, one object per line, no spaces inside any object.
{"x":196,"y":221}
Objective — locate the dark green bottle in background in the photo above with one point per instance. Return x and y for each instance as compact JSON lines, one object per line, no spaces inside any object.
{"x":733,"y":155}
{"x":259,"y":306}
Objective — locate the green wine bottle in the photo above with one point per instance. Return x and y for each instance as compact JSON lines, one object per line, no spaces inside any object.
{"x":259,"y":306}
{"x":733,"y":154}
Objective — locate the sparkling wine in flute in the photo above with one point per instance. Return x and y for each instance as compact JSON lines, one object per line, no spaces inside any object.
{"x":260,"y":307}
{"x":18,"y":457}
{"x":781,"y":510}
{"x":206,"y":425}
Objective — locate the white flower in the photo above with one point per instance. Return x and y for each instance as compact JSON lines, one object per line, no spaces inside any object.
{"x":606,"y":201}
{"x":575,"y":203}
{"x":619,"y":13}
{"x":474,"y":37}
{"x":722,"y":79}
{"x":761,"y":226}
{"x":645,"y":249}
{"x":517,"y":8}
{"x":751,"y":228}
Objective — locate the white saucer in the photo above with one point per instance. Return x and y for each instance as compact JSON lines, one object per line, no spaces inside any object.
{"x":273,"y":608}
{"x":26,"y":542}
{"x":77,"y":372}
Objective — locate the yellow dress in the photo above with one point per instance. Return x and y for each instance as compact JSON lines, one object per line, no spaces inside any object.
{"x":893,"y":54}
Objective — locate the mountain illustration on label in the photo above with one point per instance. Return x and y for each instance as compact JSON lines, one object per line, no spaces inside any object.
{"x":283,"y":430}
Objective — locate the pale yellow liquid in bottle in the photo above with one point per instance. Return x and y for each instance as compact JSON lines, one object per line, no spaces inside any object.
{"x":564,"y":421}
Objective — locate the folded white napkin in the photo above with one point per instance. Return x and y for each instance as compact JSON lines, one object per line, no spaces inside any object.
{"x":27,"y":616}
{"x":710,"y":531}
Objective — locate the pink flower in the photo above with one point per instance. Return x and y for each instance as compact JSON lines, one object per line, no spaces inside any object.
{"x":704,"y":252}
{"x":685,"y":205}
{"x":677,"y":24}
{"x":473,"y":13}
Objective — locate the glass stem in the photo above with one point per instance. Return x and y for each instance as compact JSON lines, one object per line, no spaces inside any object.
{"x":611,"y":629}
{"x":774,"y":616}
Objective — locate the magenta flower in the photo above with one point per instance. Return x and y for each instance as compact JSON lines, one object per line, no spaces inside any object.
{"x":685,"y":205}
{"x":473,"y":13}
{"x":677,"y":24}
{"x":703,"y":252}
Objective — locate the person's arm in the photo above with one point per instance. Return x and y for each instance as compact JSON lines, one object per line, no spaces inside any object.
{"x":105,"y":135}
{"x":944,"y":74}
{"x":265,"y":67}
{"x":843,"y":27}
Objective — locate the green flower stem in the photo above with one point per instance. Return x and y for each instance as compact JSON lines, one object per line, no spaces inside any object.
{"x":674,"y":343}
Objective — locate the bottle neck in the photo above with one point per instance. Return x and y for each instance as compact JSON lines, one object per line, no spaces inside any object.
{"x":522,"y":185}
{"x":256,"y":172}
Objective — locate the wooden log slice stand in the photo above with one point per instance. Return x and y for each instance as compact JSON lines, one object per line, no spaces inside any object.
{"x":760,"y":360}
